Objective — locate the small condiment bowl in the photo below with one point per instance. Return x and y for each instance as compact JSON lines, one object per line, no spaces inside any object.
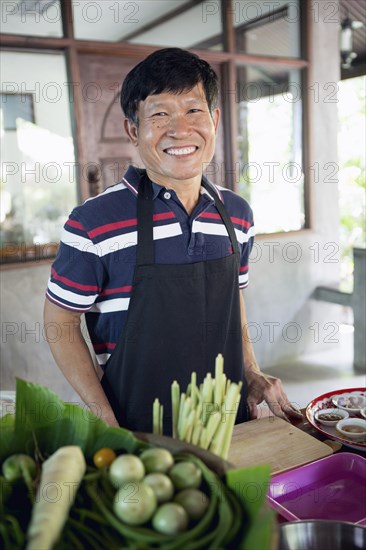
{"x":345,"y":426}
{"x":351,"y":403}
{"x":340,"y":413}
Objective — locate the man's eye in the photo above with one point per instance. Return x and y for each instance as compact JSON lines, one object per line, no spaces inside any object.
{"x":160,"y":114}
{"x":194,"y":110}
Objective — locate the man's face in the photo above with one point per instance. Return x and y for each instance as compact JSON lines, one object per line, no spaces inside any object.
{"x":175,"y":136}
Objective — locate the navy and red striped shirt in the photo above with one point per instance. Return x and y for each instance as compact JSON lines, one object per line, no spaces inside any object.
{"x":94,"y":268}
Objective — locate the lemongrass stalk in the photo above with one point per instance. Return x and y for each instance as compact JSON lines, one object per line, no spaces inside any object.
{"x":193,"y":388}
{"x":175,"y":407}
{"x":161,"y":416}
{"x":207,"y":389}
{"x":223,"y":387}
{"x":183,"y":417}
{"x":230,"y":428}
{"x":198,"y":395}
{"x":199,"y":411}
{"x":156,"y":416}
{"x":219,"y":369}
{"x":189,"y":426}
{"x":203,"y":443}
{"x":197,"y":431}
{"x":212,"y":425}
{"x":219,"y":439}
{"x":180,"y":414}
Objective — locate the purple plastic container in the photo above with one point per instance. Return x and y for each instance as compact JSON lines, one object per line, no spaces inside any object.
{"x":330,"y":488}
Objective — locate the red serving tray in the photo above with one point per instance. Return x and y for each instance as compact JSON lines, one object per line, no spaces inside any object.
{"x":324,"y":402}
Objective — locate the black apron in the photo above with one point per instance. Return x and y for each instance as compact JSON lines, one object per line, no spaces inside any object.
{"x":179,"y":318}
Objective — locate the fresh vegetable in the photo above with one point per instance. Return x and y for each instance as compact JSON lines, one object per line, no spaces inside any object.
{"x":231,"y":521}
{"x":185,"y":475}
{"x":104,"y":457}
{"x":194,"y":501}
{"x":157,"y":460}
{"x":20,"y":467}
{"x":125,"y":469}
{"x":135,"y":503}
{"x":204,"y":415}
{"x":158,"y":414}
{"x":170,"y":519}
{"x":60,"y":478}
{"x":161,"y":485}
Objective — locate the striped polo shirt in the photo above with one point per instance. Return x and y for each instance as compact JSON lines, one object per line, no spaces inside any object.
{"x":94,"y":268}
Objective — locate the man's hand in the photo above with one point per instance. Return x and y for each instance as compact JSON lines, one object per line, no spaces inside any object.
{"x":262,"y":387}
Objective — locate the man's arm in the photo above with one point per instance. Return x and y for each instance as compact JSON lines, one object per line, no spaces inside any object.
{"x":262,"y":387}
{"x":71,"y":353}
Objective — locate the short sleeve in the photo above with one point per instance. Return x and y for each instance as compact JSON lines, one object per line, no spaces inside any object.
{"x":246,"y":245}
{"x":77,"y":273}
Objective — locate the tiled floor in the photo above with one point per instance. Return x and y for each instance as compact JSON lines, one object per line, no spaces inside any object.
{"x":314,"y":374}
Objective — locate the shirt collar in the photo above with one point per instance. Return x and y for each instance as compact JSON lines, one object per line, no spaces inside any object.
{"x":132,"y":179}
{"x":133,"y":176}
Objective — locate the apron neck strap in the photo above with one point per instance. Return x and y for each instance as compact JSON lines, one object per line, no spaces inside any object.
{"x":145,"y":226}
{"x":224,"y":215}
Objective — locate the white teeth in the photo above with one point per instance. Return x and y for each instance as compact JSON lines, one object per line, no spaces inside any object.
{"x":183,"y":151}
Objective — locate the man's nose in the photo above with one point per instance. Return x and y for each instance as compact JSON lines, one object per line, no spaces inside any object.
{"x":179,"y":126}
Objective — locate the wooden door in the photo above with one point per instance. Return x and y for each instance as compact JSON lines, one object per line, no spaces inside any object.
{"x":107,"y":150}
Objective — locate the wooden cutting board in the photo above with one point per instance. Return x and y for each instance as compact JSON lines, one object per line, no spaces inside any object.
{"x":275,"y":442}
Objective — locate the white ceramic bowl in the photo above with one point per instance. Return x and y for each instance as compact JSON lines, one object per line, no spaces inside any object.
{"x":340,"y":413}
{"x":363,"y":412}
{"x":351,"y":403}
{"x":344,"y":426}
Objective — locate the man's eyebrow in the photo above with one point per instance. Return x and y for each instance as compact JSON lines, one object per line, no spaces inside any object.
{"x":154,"y":104}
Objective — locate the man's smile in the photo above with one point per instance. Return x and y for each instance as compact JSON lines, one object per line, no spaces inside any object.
{"x":181,"y":151}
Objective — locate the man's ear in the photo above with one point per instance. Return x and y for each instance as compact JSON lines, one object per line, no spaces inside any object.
{"x":131,"y":131}
{"x":216,"y":118}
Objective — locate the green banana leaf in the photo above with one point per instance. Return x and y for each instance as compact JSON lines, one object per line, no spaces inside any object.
{"x":42,"y":417}
{"x":43,"y":421}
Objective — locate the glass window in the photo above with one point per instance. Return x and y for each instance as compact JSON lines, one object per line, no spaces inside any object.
{"x":37,"y":185}
{"x":14,"y":106}
{"x":270,"y":146}
{"x":31,"y":17}
{"x":267,"y":28}
{"x":153,"y":22}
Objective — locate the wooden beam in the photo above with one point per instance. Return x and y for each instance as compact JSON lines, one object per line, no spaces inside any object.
{"x":308,"y":114}
{"x":67,"y":19}
{"x":125,"y":49}
{"x":227,"y":25}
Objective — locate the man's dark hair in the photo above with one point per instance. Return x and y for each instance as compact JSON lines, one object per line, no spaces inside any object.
{"x":168,"y":70}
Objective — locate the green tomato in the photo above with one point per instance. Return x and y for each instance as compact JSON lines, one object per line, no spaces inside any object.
{"x":126,"y":468}
{"x":134,"y":503}
{"x":157,"y":460}
{"x":194,"y":502}
{"x":185,"y":475}
{"x":161,"y":485}
{"x":170,"y":519}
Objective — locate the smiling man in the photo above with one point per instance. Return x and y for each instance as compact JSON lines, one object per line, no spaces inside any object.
{"x":156,"y":262}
